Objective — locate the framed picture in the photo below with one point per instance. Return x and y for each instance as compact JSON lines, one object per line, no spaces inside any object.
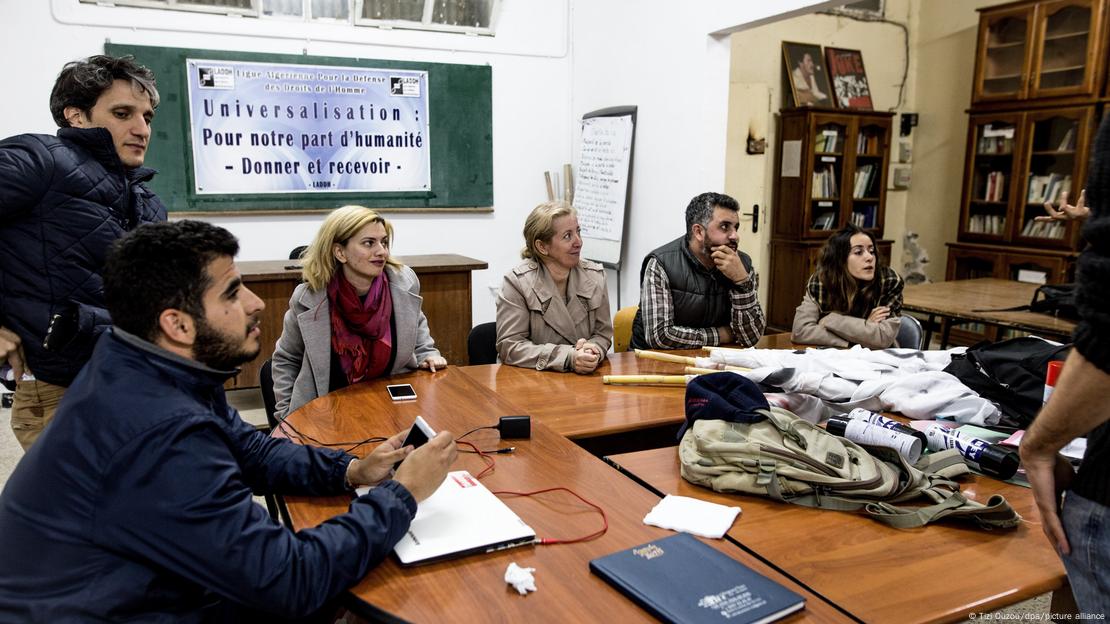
{"x":849,"y":81}
{"x":809,"y":84}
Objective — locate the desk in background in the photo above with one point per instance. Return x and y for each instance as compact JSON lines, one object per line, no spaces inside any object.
{"x":966,"y":300}
{"x":445,"y":284}
{"x":472,"y":589}
{"x":940,"y":573}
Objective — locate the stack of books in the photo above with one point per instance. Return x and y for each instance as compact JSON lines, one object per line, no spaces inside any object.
{"x":824,"y":182}
{"x":1047,"y":188}
{"x":828,"y":141}
{"x":996,"y":186}
{"x":864,"y":178}
{"x":986,"y":224}
{"x":1043,"y":229}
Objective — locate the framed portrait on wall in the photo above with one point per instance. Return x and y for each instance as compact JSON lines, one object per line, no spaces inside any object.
{"x":805,"y":72}
{"x":849,"y":80}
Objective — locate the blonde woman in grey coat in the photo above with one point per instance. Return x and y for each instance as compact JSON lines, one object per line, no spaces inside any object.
{"x":356,"y":317}
{"x":553,"y":310}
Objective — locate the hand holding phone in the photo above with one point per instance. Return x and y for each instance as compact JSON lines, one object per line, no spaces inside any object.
{"x":418,"y":435}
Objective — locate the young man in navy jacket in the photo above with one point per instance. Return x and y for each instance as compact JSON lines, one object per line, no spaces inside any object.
{"x":135,"y":504}
{"x":63,"y":200}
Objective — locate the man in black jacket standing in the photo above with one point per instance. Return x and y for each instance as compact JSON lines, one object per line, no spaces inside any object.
{"x":63,"y":200}
{"x":1079,"y":525}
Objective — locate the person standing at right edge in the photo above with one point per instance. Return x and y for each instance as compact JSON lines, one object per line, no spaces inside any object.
{"x":1078,"y":522}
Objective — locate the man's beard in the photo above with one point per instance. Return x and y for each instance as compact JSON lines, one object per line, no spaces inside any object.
{"x":219,"y":351}
{"x":707,"y":247}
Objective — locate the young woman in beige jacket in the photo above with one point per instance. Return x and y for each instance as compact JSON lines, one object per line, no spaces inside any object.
{"x":553,"y":310}
{"x":853,"y":298}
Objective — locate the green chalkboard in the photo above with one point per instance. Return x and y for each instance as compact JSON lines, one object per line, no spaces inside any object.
{"x":460,"y":129}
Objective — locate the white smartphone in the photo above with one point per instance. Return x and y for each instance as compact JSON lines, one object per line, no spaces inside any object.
{"x":419,"y":434}
{"x":401,"y":392}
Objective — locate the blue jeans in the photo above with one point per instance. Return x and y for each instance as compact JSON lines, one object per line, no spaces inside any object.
{"x":1087,"y":526}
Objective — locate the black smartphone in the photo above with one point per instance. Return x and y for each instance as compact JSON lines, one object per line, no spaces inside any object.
{"x":418,"y":435}
{"x":61,"y":331}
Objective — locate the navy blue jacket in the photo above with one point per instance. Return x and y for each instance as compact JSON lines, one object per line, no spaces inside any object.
{"x":63,"y":201}
{"x":135,"y":504}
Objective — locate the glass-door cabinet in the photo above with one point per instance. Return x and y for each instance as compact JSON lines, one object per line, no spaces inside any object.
{"x":1065,"y":59}
{"x":1053,"y":170}
{"x":1005,"y":53}
{"x":829,"y":143}
{"x":994,"y":141}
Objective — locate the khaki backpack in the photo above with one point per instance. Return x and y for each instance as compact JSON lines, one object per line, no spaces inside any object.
{"x":792,"y":460}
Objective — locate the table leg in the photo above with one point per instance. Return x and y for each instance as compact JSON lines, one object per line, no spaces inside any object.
{"x":929,"y":331}
{"x":945,"y":329}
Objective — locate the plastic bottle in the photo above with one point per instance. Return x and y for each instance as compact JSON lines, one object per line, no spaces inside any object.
{"x":887,"y":423}
{"x":990,"y":459}
{"x":862,"y":432}
{"x":1054,"y":369}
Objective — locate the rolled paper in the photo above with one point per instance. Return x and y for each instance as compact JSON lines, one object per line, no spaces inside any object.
{"x":645,"y":380}
{"x":665,"y":357}
{"x":693,"y":370}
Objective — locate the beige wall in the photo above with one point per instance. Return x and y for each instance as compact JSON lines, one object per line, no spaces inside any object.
{"x":938,"y":82}
{"x":945,"y":52}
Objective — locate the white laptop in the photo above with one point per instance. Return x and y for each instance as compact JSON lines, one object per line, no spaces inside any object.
{"x":461,"y":518}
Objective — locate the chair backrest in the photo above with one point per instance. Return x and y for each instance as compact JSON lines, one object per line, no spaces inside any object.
{"x":481,"y":344}
{"x":910,"y":334}
{"x":622,"y":327}
{"x":266,"y":384}
{"x":297,"y":252}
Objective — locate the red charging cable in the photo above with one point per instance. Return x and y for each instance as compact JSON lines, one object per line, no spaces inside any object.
{"x":553,"y":540}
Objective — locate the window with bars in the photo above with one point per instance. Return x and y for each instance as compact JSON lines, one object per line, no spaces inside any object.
{"x":465,"y":16}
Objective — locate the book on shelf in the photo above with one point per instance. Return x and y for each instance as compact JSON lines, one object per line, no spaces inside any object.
{"x":986,"y":224}
{"x":995,"y":145}
{"x":867,"y":143}
{"x":862,"y":182}
{"x":1047,"y":188}
{"x":828,"y":141}
{"x":1068,"y":142}
{"x":825,"y":221}
{"x":681,"y":579}
{"x":864,"y":217}
{"x":824,"y":182}
{"x":995,"y":187}
{"x":1044,"y":229}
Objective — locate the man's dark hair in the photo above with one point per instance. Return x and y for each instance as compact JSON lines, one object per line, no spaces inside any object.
{"x":160,"y":266}
{"x":700,"y":209}
{"x":81,"y":83}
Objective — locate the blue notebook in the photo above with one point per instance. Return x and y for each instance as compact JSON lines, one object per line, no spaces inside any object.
{"x":680,"y":579}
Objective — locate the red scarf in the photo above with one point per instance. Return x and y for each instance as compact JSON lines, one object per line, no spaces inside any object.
{"x":360,"y":332}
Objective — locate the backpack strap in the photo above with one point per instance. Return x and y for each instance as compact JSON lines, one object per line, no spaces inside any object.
{"x":948,"y":463}
{"x":997,"y":513}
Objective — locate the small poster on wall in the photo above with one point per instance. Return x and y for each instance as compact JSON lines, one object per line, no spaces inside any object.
{"x":849,"y":80}
{"x":809,"y":83}
{"x":260,"y":127}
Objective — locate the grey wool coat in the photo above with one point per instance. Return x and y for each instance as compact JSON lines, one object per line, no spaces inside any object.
{"x":537,"y":329}
{"x":302,"y":357}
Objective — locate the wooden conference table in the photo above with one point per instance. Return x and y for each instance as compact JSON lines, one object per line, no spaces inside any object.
{"x":472,"y":589}
{"x":940,"y":573}
{"x":966,"y":300}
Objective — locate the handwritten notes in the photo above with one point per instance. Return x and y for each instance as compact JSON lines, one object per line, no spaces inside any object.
{"x":604,"y":154}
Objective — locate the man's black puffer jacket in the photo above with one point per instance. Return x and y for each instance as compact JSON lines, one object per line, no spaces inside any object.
{"x":63,"y":201}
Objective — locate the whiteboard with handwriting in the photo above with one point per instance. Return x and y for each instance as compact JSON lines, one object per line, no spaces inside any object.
{"x":604,"y":157}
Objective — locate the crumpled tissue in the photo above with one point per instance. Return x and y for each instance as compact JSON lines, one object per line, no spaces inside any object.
{"x":520,"y":578}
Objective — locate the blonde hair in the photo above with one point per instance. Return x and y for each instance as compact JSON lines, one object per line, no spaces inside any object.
{"x":540,"y":225}
{"x":338,"y":227}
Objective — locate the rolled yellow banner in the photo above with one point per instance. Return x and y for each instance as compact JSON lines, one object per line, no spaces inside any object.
{"x":665,"y":357}
{"x":644,"y":380}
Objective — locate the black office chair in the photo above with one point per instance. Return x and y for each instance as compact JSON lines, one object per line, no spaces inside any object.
{"x":481,"y":344}
{"x":910,"y":335}
{"x":274,"y":504}
{"x":297,"y":252}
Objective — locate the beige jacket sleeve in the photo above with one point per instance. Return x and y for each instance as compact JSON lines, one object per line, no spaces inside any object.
{"x":863,"y":332}
{"x":807,"y":328}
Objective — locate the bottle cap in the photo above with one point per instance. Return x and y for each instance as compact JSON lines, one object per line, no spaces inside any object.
{"x":1054,"y":369}
{"x":999,"y":461}
{"x":836,"y":426}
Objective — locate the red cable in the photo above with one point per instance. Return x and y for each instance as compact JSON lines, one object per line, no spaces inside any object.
{"x":551,"y":540}
{"x":485,"y":458}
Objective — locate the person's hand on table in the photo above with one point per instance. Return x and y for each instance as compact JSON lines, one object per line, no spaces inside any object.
{"x":376,"y":466}
{"x":586,"y":357}
{"x":434,"y":363}
{"x":425,"y":468}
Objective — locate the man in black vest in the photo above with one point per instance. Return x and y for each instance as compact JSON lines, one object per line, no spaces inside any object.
{"x":699,"y":289}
